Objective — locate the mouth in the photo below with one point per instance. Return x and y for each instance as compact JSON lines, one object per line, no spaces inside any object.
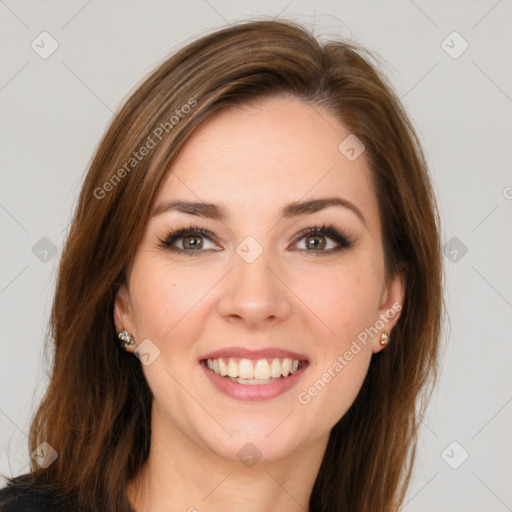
{"x":254,"y":372}
{"x":254,"y":375}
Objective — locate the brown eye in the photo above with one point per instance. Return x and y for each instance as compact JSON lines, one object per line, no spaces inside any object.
{"x":315,"y":242}
{"x":192,"y":242}
{"x":319,"y":240}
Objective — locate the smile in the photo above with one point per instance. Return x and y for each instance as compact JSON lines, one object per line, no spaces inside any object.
{"x":254,"y":372}
{"x":253,"y":375}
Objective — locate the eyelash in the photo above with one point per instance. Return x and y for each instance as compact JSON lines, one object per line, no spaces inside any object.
{"x":328,"y":231}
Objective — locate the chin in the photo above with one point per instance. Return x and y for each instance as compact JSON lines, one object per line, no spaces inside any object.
{"x":262,"y":440}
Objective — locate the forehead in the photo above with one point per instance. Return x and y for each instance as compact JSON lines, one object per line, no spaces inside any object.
{"x":267,"y":154}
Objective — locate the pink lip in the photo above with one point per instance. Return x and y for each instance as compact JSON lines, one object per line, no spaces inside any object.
{"x":257,"y":392}
{"x":254,"y":354}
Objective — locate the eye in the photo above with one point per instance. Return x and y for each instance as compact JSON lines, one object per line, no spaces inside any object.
{"x":314,"y":241}
{"x":322,"y":239}
{"x":190,"y":241}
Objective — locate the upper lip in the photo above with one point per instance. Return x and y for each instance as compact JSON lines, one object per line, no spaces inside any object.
{"x":245,"y":353}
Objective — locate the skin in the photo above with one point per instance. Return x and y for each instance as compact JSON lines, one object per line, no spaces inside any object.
{"x":254,"y":160}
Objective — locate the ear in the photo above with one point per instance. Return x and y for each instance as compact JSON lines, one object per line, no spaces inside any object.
{"x":123,"y":314}
{"x":392,"y":300}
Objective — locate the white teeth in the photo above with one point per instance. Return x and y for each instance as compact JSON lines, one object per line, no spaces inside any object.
{"x":286,"y":366}
{"x":232,"y":368}
{"x":262,"y":369}
{"x":252,"y":382}
{"x":247,"y":371}
{"x":222,"y":367}
{"x":275,"y":368}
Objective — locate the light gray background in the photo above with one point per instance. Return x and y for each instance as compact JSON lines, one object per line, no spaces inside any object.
{"x":55,"y":110}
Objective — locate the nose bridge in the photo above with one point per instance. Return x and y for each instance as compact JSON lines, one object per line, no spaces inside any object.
{"x":253,"y":291}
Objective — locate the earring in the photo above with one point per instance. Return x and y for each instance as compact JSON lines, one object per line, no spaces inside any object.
{"x":127,"y":338}
{"x":384,"y":337}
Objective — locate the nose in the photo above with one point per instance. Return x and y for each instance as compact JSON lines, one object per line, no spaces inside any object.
{"x":254,"y":293}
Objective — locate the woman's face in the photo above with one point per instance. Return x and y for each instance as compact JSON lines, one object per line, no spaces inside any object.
{"x":250,"y":284}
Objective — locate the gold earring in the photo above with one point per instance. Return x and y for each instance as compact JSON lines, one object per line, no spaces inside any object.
{"x":384,"y":338}
{"x":127,"y":338}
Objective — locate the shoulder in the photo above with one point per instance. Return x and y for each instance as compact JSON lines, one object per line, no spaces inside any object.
{"x":24,"y":494}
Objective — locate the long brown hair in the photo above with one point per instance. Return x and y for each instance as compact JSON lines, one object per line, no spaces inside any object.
{"x":97,"y":410}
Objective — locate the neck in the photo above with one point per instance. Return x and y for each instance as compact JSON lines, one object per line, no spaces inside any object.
{"x":179,"y":475}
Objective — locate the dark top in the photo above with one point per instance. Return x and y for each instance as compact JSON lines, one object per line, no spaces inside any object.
{"x":22,"y":494}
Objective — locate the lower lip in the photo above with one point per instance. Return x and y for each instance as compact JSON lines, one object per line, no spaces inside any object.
{"x":253,"y":392}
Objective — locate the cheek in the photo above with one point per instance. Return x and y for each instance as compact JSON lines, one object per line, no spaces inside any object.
{"x":165,"y":298}
{"x":343,"y":300}
{"x":334,"y":383}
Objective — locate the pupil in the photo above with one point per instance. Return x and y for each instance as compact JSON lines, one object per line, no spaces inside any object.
{"x":192,"y":242}
{"x":315,"y":242}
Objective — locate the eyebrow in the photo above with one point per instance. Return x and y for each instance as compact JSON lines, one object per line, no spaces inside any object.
{"x":218,"y":212}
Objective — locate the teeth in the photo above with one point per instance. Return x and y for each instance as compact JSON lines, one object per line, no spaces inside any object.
{"x":275,"y":368}
{"x":246,"y":371}
{"x":222,"y":367}
{"x":252,"y":382}
{"x":286,"y":366}
{"x":232,"y":368}
{"x":262,"y":369}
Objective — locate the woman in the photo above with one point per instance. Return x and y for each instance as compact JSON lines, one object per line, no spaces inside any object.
{"x":259,"y":230}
